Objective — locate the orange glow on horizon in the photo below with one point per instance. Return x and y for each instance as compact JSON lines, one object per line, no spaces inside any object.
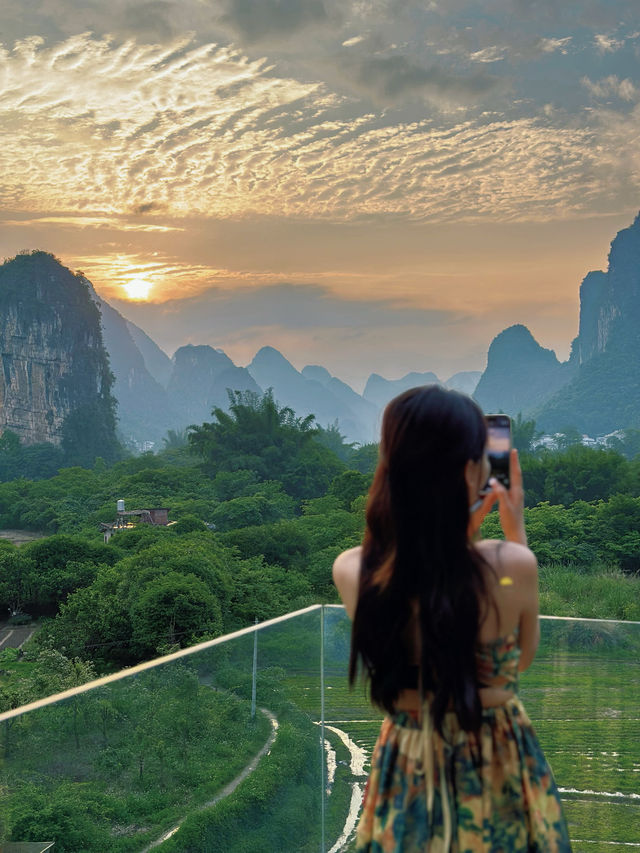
{"x":137,"y":289}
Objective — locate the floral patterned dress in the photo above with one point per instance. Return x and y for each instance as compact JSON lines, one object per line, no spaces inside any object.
{"x":461,"y":792}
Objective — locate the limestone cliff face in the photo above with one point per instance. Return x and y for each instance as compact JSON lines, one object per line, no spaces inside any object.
{"x":619,"y":314}
{"x":598,"y":389}
{"x":610,"y":302}
{"x":53,"y":359}
{"x":604,"y":395}
{"x":593,"y":326}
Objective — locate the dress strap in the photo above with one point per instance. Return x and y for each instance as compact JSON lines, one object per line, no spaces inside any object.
{"x":429,"y":752}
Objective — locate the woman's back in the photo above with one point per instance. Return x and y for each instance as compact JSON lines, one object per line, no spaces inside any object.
{"x":450,"y":789}
{"x":442,"y":625}
{"x":512,"y":581}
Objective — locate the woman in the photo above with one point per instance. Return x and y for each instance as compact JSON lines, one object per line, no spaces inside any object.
{"x":442,"y":623}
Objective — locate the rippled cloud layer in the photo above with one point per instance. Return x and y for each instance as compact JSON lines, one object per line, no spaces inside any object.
{"x":135,"y":129}
{"x":132,"y":132}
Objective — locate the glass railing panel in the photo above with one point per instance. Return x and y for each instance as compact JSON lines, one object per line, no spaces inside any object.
{"x":197,"y":753}
{"x":351,"y":728}
{"x":172,"y":758}
{"x":583,"y":696}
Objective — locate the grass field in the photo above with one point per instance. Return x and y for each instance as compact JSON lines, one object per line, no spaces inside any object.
{"x":116,"y":767}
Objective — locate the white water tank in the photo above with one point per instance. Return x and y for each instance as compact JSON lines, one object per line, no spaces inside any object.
{"x":120,"y":505}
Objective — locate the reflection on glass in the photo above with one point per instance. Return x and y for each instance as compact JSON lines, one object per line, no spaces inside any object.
{"x":583,"y":695}
{"x":172,"y":758}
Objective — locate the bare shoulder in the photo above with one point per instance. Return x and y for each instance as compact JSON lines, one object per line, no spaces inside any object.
{"x":509,"y":558}
{"x":348,"y":558}
{"x":347,"y":563}
{"x":513,"y":584}
{"x":346,"y":576}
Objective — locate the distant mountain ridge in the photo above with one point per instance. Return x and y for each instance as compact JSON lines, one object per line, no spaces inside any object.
{"x":156,"y":393}
{"x":183,"y":390}
{"x":315,"y":391}
{"x":604,"y":392}
{"x":379,"y":391}
{"x":144,"y":408}
{"x":520,"y":374}
{"x":156,"y":360}
{"x":199,"y":381}
{"x":597,"y":390}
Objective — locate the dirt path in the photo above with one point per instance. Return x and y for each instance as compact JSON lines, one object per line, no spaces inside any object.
{"x":13,"y":638}
{"x":230,"y":788}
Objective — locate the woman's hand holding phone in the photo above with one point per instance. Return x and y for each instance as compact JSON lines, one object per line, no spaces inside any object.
{"x":511,"y":502}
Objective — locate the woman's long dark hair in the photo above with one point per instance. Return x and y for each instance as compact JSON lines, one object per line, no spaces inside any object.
{"x":418,"y":567}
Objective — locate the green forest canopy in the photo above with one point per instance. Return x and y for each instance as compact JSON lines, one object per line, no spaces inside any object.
{"x":263,"y":504}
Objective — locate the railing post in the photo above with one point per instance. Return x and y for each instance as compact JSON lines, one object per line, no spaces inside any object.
{"x":254,"y":675}
{"x":323,"y":762}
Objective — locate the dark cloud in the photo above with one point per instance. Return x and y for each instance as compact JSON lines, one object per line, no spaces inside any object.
{"x":256,"y":19}
{"x":21,"y":19}
{"x":150,"y":19}
{"x":147,"y":207}
{"x":57,"y":19}
{"x":107,"y":129}
{"x":398,"y":77}
{"x":245,"y":22}
{"x":590,"y":13}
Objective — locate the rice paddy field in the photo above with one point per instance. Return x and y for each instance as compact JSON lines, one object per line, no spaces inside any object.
{"x":583,"y":696}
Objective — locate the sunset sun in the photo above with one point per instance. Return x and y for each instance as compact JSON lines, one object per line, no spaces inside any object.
{"x":137,"y":288}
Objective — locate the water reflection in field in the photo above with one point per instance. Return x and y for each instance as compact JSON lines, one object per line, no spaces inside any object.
{"x":583,"y":695}
{"x":147,"y":753}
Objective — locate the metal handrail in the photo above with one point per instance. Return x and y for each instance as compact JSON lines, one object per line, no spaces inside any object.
{"x":208,"y":644}
{"x":151,"y":664}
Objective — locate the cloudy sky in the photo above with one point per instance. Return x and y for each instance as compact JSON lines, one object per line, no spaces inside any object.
{"x":372,"y":185}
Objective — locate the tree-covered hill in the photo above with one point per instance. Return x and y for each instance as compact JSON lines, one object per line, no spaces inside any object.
{"x":262,"y":505}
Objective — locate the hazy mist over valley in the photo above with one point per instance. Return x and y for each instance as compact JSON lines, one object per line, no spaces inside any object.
{"x":593,"y":391}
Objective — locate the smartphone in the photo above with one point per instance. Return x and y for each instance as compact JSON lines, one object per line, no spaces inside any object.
{"x":499,"y":447}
